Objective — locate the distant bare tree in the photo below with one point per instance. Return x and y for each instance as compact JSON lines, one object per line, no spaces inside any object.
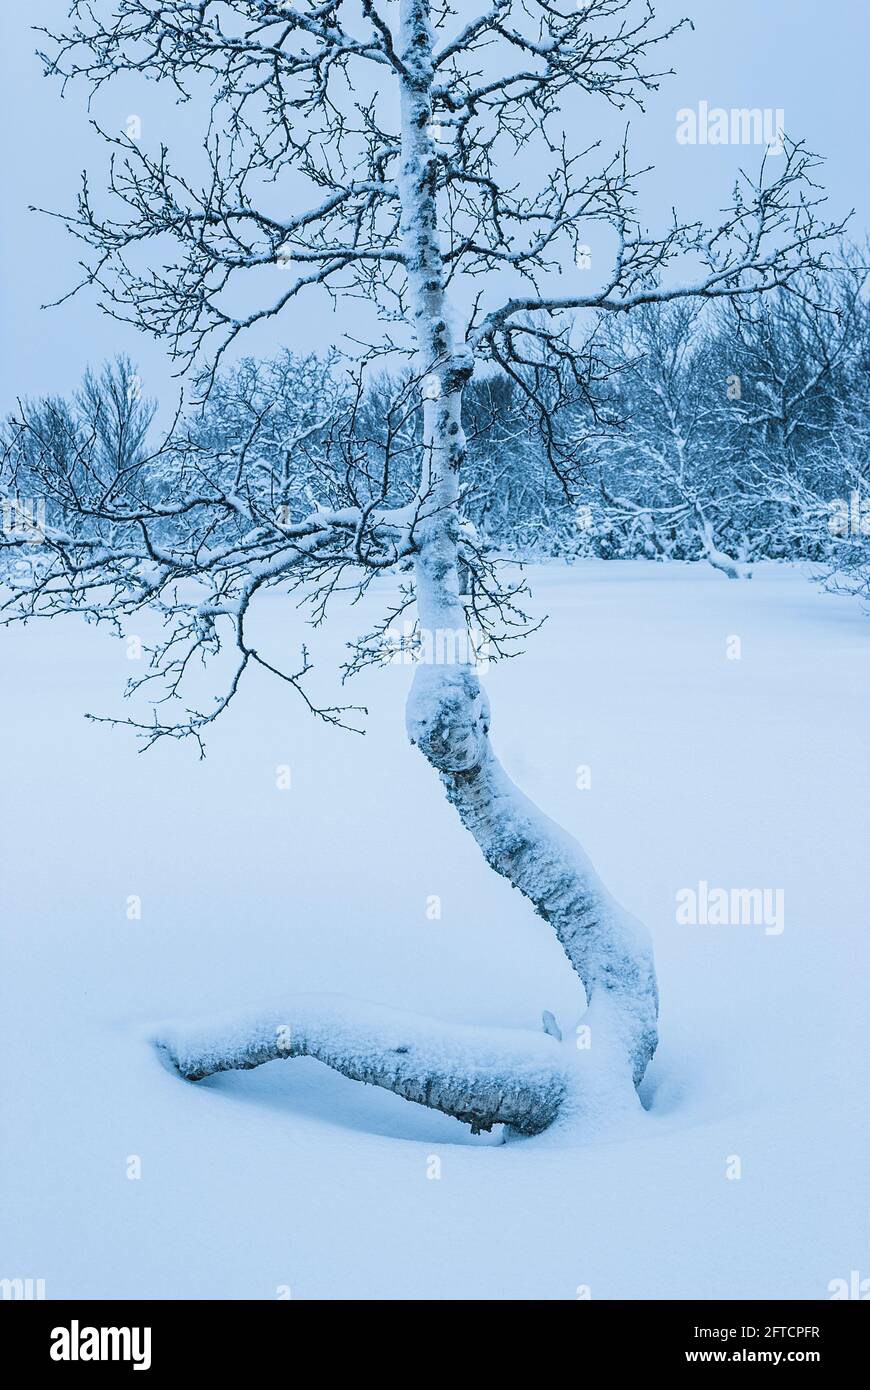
{"x":662,"y":464}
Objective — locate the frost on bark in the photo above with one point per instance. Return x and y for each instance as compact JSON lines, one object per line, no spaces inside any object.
{"x":199,"y":530}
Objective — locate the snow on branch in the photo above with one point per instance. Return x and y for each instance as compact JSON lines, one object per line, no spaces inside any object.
{"x":196,"y":529}
{"x":306,"y":96}
{"x":482,"y":1076}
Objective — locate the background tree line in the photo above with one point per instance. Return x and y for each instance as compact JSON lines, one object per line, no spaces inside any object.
{"x":730,"y":432}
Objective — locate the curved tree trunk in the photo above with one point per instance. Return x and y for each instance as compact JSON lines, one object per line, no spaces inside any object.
{"x":714,"y":555}
{"x":610,"y":952}
{"x":447,"y":714}
{"x":481,"y":1076}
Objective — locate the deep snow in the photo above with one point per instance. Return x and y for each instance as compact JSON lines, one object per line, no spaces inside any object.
{"x":750,"y":772}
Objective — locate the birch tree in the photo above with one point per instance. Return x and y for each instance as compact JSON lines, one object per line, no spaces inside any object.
{"x":417,"y":155}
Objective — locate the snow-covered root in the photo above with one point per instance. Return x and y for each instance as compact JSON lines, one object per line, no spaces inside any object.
{"x":482,"y":1076}
{"x":448,"y":718}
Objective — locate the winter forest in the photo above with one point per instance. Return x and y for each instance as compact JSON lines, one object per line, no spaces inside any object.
{"x":725,"y":433}
{"x":436,"y":438}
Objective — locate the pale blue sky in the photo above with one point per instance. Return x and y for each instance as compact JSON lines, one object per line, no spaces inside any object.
{"x":801,"y":56}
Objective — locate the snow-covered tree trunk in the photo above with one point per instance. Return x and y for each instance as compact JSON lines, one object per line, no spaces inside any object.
{"x":482,"y":1076}
{"x":713,"y":553}
{"x":448,"y":713}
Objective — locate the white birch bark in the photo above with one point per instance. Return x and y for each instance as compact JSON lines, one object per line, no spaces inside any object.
{"x":482,"y":1076}
{"x":447,"y":713}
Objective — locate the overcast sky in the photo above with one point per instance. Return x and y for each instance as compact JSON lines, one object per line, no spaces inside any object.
{"x":806,"y":58}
